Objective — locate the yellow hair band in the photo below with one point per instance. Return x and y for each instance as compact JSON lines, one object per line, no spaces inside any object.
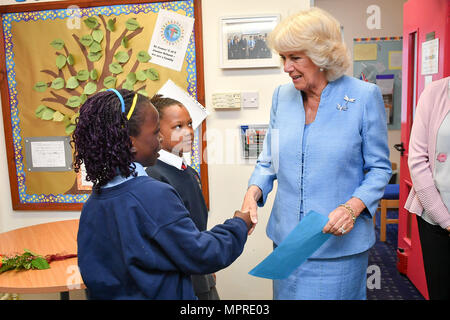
{"x":133,"y":105}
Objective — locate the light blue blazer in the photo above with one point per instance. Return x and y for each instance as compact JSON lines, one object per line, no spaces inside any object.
{"x":346,"y":156}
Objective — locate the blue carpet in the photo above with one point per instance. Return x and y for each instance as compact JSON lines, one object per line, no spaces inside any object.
{"x":390,"y":285}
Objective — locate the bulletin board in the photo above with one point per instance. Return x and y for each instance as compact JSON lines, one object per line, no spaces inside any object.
{"x":56,"y":54}
{"x":381,"y":57}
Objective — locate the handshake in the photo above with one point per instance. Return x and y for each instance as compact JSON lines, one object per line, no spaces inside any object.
{"x":246,"y":217}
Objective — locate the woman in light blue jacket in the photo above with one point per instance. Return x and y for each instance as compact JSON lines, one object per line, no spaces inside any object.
{"x":327,"y":148}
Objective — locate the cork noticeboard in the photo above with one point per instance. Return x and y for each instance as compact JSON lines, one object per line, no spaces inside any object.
{"x":54,"y":55}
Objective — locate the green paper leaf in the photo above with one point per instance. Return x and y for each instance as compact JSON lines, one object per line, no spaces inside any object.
{"x":90,"y":88}
{"x":84,"y":97}
{"x":40,"y":110}
{"x":61,"y":61}
{"x":94,"y":56}
{"x":91,"y":22}
{"x":70,"y":129}
{"x":58,"y":83}
{"x":122,"y":56}
{"x":82,"y":75}
{"x":86,"y":40}
{"x":131,"y":24}
{"x":152,"y":74}
{"x":143,"y":56}
{"x":40,"y":86}
{"x":29,"y":252}
{"x":97,"y":35}
{"x":110,"y":82}
{"x":74,"y":101}
{"x":58,"y":116}
{"x":66,"y":120}
{"x":94,"y":74}
{"x":72,"y":83}
{"x":47,"y":114}
{"x":70,"y":59}
{"x":115,"y":68}
{"x":128,"y":85}
{"x":124,"y":42}
{"x":57,"y":44}
{"x":141,"y":75}
{"x":95,"y":47}
{"x":111,"y":24}
{"x":131,"y":78}
{"x":40,"y":263}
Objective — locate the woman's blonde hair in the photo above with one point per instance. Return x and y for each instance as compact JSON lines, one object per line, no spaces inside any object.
{"x":316,"y":33}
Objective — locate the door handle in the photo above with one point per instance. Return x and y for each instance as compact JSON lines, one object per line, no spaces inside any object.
{"x":400,"y":147}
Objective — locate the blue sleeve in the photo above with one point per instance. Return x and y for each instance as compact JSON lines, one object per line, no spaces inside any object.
{"x":375,"y":151}
{"x":265,"y":171}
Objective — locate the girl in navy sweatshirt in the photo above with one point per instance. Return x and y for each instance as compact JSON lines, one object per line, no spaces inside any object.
{"x":136,"y":239}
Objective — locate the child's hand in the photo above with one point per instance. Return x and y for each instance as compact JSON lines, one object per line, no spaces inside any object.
{"x":250,"y":204}
{"x":244,"y":216}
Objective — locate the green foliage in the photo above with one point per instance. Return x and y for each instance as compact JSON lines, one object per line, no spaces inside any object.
{"x":90,"y":88}
{"x":110,"y":82}
{"x":115,"y":68}
{"x":111,"y":25}
{"x":58,"y":83}
{"x":82,"y":75}
{"x":94,"y":56}
{"x":72,"y":83}
{"x":122,"y":56}
{"x":152,"y":74}
{"x":143,"y":56}
{"x":70,"y":59}
{"x":91,"y":22}
{"x":131,"y":24}
{"x":86,"y":40}
{"x":97,"y":35}
{"x":61,"y":61}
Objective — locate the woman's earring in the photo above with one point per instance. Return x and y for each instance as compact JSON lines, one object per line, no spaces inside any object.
{"x":321,"y":69}
{"x":133,"y":149}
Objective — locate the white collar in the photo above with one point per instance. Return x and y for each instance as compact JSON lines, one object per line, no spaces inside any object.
{"x":171,"y":159}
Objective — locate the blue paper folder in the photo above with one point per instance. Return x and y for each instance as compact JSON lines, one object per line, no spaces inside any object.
{"x":298,"y":246}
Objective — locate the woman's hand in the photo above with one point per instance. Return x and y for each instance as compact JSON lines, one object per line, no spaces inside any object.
{"x":250,"y":204}
{"x":340,"y":219}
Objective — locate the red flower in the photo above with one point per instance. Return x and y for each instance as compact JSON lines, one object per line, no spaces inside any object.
{"x":1,"y":261}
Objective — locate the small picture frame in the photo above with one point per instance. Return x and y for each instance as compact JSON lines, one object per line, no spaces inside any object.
{"x":243,"y":42}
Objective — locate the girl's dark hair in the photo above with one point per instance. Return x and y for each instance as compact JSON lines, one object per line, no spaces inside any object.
{"x":160,"y":102}
{"x":102,"y":136}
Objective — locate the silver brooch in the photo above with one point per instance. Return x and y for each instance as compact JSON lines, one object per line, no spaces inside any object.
{"x":345,"y":106}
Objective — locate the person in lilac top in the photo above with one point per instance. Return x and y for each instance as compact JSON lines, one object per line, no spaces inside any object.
{"x":429,"y":198}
